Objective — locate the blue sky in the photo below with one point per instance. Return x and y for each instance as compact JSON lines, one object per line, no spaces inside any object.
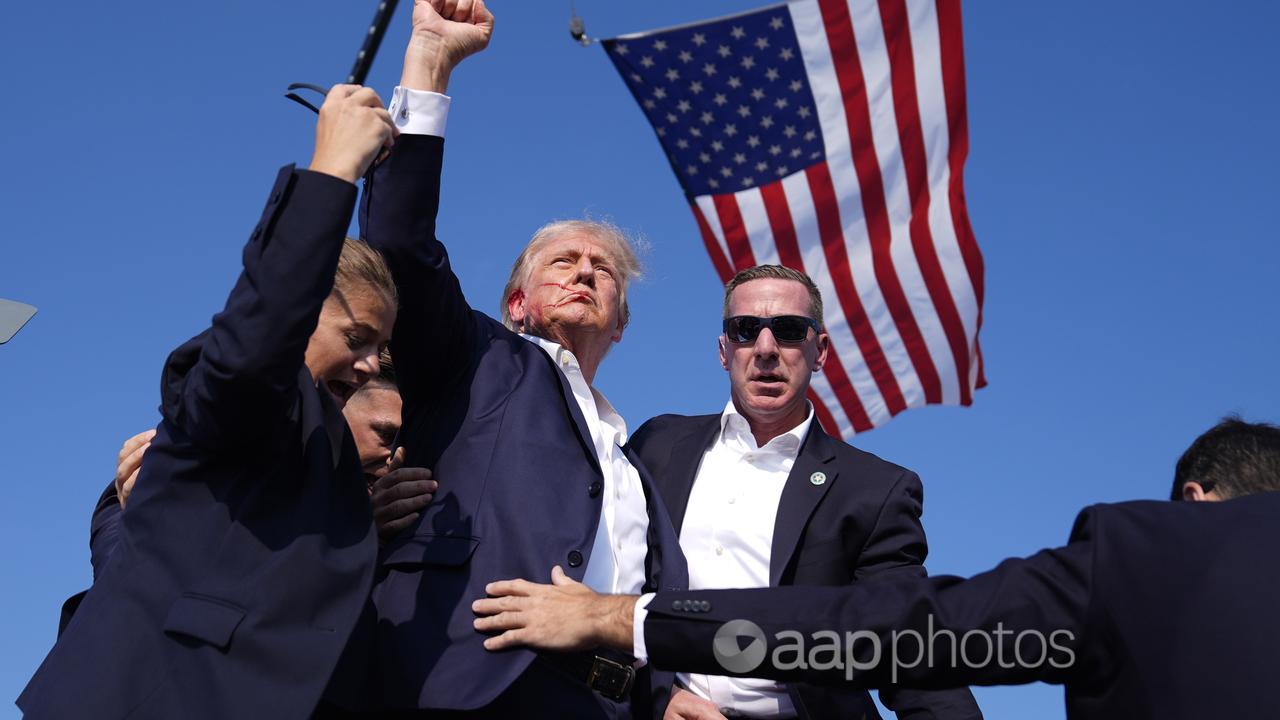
{"x":1121,"y":184}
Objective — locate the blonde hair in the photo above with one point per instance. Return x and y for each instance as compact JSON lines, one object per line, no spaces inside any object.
{"x":360,"y":265}
{"x":622,"y":249}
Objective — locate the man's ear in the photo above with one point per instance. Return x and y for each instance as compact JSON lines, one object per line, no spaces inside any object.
{"x":722,"y":342}
{"x":824,"y":347}
{"x":1193,"y":491}
{"x":617,"y":331}
{"x":515,"y":307}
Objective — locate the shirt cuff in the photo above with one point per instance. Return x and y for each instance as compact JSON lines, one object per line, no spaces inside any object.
{"x":419,"y":112}
{"x":638,"y":615}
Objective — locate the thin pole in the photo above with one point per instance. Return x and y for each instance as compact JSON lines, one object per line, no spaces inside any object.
{"x":372,"y":39}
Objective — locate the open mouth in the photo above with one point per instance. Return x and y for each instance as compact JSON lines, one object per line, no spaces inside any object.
{"x":340,"y":391}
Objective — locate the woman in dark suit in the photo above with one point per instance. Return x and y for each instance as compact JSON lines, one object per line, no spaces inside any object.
{"x":247,"y":550}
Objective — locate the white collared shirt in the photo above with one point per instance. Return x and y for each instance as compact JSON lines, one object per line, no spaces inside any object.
{"x":727,"y":537}
{"x":616,"y":563}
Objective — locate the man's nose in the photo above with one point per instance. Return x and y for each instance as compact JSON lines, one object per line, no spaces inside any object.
{"x":586,"y":272}
{"x":766,"y":345}
{"x":367,"y":365}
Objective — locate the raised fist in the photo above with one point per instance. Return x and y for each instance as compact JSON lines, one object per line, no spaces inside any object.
{"x":444,"y":33}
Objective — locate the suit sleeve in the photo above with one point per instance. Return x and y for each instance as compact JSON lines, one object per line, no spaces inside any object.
{"x":896,"y":547}
{"x":233,"y":386}
{"x":398,"y":218}
{"x":104,"y":529}
{"x":1026,"y":620}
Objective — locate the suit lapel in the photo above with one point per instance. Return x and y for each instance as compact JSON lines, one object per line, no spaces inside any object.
{"x":579,"y":420}
{"x":800,"y":497}
{"x":686,"y":456}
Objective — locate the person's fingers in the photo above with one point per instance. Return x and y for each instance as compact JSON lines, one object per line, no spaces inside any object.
{"x":132,"y":443}
{"x":462,"y":11}
{"x":393,"y":510}
{"x":448,"y":8}
{"x":509,"y":639}
{"x":128,"y":467}
{"x":340,"y":91}
{"x":365,"y":96}
{"x":392,"y":527}
{"x":559,"y":578}
{"x":510,"y":587}
{"x":480,"y":14}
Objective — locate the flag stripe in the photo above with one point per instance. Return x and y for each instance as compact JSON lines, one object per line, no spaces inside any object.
{"x":735,"y":234}
{"x":847,"y":218}
{"x":951,"y":50}
{"x":848,"y":66}
{"x":838,"y":265}
{"x":897,"y":35}
{"x":718,"y":260}
{"x":784,"y":239}
{"x":804,"y":218}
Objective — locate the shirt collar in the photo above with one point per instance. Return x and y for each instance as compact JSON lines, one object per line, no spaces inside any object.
{"x":567,"y":361}
{"x":734,"y":425}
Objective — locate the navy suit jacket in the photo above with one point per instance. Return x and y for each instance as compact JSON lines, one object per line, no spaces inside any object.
{"x":519,"y":492}
{"x":1153,"y":611}
{"x":248,"y":548}
{"x":862,"y":523}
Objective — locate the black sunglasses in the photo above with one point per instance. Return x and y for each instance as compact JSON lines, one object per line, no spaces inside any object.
{"x":788,"y":329}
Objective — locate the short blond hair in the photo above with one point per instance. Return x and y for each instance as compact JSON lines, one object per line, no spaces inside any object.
{"x":360,"y":265}
{"x":622,"y":248}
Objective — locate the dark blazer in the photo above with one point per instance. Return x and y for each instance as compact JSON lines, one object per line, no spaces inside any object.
{"x":248,"y":548}
{"x":862,"y":523}
{"x":104,"y":529}
{"x":520,"y":486}
{"x":1153,"y":610}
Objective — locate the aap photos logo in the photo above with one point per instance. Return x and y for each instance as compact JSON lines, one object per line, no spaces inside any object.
{"x":730,"y":650}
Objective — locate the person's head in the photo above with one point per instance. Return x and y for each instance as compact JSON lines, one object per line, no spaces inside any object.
{"x":570,"y":284}
{"x":355,"y":322}
{"x":373,"y":414}
{"x":1231,"y":459}
{"x":768,"y":374}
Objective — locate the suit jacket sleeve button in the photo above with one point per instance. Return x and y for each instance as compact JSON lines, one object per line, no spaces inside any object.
{"x":705,"y":606}
{"x":675,"y":605}
{"x":575,"y":558}
{"x":595,"y":489}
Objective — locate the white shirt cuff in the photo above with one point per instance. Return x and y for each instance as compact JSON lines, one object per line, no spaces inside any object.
{"x":419,"y":112}
{"x":638,"y":615}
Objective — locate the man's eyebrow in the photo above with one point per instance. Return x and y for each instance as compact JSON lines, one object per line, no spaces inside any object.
{"x":384,"y":426}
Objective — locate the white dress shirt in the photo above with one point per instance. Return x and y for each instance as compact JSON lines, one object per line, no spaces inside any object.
{"x":616,"y":563}
{"x":727,"y":537}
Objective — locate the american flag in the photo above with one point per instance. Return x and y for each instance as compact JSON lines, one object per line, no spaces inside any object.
{"x":830,"y":136}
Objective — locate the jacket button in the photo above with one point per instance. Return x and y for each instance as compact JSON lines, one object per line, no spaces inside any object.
{"x":575,"y":558}
{"x":704,"y":606}
{"x":675,"y":605}
{"x":595,"y":489}
{"x":688,"y":606}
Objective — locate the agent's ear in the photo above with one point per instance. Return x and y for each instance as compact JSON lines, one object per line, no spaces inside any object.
{"x":1193,"y":491}
{"x":824,"y":347}
{"x":723,"y":343}
{"x":515,"y":307}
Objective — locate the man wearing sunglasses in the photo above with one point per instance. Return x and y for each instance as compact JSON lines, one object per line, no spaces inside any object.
{"x":762,"y":496}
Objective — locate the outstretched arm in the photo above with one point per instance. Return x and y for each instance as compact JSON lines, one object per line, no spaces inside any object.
{"x":402,"y":196}
{"x":228,"y":388}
